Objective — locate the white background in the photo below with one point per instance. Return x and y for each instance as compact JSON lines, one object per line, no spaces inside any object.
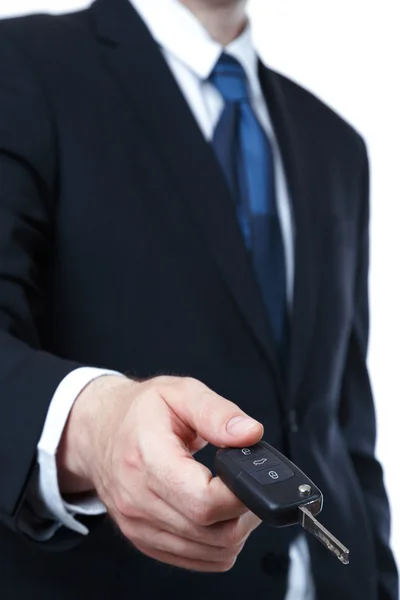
{"x":348,"y":53}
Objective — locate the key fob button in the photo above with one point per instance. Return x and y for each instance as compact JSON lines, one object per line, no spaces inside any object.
{"x":266,"y":461}
{"x":253,"y":453}
{"x":273,"y":475}
{"x":240,"y":454}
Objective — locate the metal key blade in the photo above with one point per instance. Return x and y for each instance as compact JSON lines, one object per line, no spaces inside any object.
{"x":310,"y":523}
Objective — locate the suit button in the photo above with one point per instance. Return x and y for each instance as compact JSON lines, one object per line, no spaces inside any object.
{"x":275,"y":564}
{"x":293,"y":423}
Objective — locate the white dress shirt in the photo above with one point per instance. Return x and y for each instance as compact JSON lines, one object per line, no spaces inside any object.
{"x":191,"y":55}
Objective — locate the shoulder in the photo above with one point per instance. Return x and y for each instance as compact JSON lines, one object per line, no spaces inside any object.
{"x":45,"y":34}
{"x":317,"y":117}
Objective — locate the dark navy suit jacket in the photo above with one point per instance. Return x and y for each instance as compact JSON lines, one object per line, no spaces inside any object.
{"x":119,"y":248}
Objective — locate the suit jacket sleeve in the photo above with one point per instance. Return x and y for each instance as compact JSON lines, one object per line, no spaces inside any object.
{"x":358,"y":414}
{"x":29,"y":375}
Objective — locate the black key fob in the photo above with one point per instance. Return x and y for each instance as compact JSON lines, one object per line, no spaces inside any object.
{"x":268,"y":483}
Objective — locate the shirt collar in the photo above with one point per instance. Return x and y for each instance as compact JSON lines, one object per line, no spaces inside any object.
{"x":179,"y":32}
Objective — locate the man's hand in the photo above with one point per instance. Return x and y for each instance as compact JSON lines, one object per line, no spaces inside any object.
{"x":133,"y":443}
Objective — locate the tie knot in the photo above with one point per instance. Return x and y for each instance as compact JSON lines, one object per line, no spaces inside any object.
{"x":229,"y":78}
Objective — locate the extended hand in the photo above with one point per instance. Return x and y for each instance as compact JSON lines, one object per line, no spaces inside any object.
{"x":133,"y":443}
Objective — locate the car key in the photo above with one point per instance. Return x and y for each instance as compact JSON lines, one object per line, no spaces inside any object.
{"x":275,"y":490}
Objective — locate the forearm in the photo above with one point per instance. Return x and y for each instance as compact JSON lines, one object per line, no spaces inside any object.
{"x":28,"y":378}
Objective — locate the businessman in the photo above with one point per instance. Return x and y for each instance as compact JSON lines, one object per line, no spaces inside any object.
{"x":183,"y":266}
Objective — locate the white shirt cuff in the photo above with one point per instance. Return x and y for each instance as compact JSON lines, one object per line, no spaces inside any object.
{"x":51,"y":504}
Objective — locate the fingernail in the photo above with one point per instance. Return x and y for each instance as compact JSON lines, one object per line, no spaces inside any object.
{"x":240,"y":425}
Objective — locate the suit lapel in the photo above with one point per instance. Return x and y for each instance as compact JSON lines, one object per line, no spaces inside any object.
{"x":306,"y":211}
{"x":187,"y":155}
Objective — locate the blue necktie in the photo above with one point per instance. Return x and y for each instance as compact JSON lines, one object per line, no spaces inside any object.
{"x":245,"y":154}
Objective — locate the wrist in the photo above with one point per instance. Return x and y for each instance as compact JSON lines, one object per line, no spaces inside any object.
{"x":89,"y":425}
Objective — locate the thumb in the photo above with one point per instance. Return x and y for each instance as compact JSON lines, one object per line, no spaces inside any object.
{"x":214,"y":418}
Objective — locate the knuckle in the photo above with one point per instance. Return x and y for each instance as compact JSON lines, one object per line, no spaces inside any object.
{"x":162,"y":380}
{"x":208,"y":413}
{"x":126,"y":530}
{"x":133,"y":530}
{"x":132,"y":457}
{"x":200,"y":516}
{"x":232,"y":536}
{"x":123,"y":504}
{"x":187,"y":386}
{"x":202,"y":513}
{"x":226,"y":565}
{"x":192,"y":385}
{"x":229,"y":554}
{"x":155,"y":540}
